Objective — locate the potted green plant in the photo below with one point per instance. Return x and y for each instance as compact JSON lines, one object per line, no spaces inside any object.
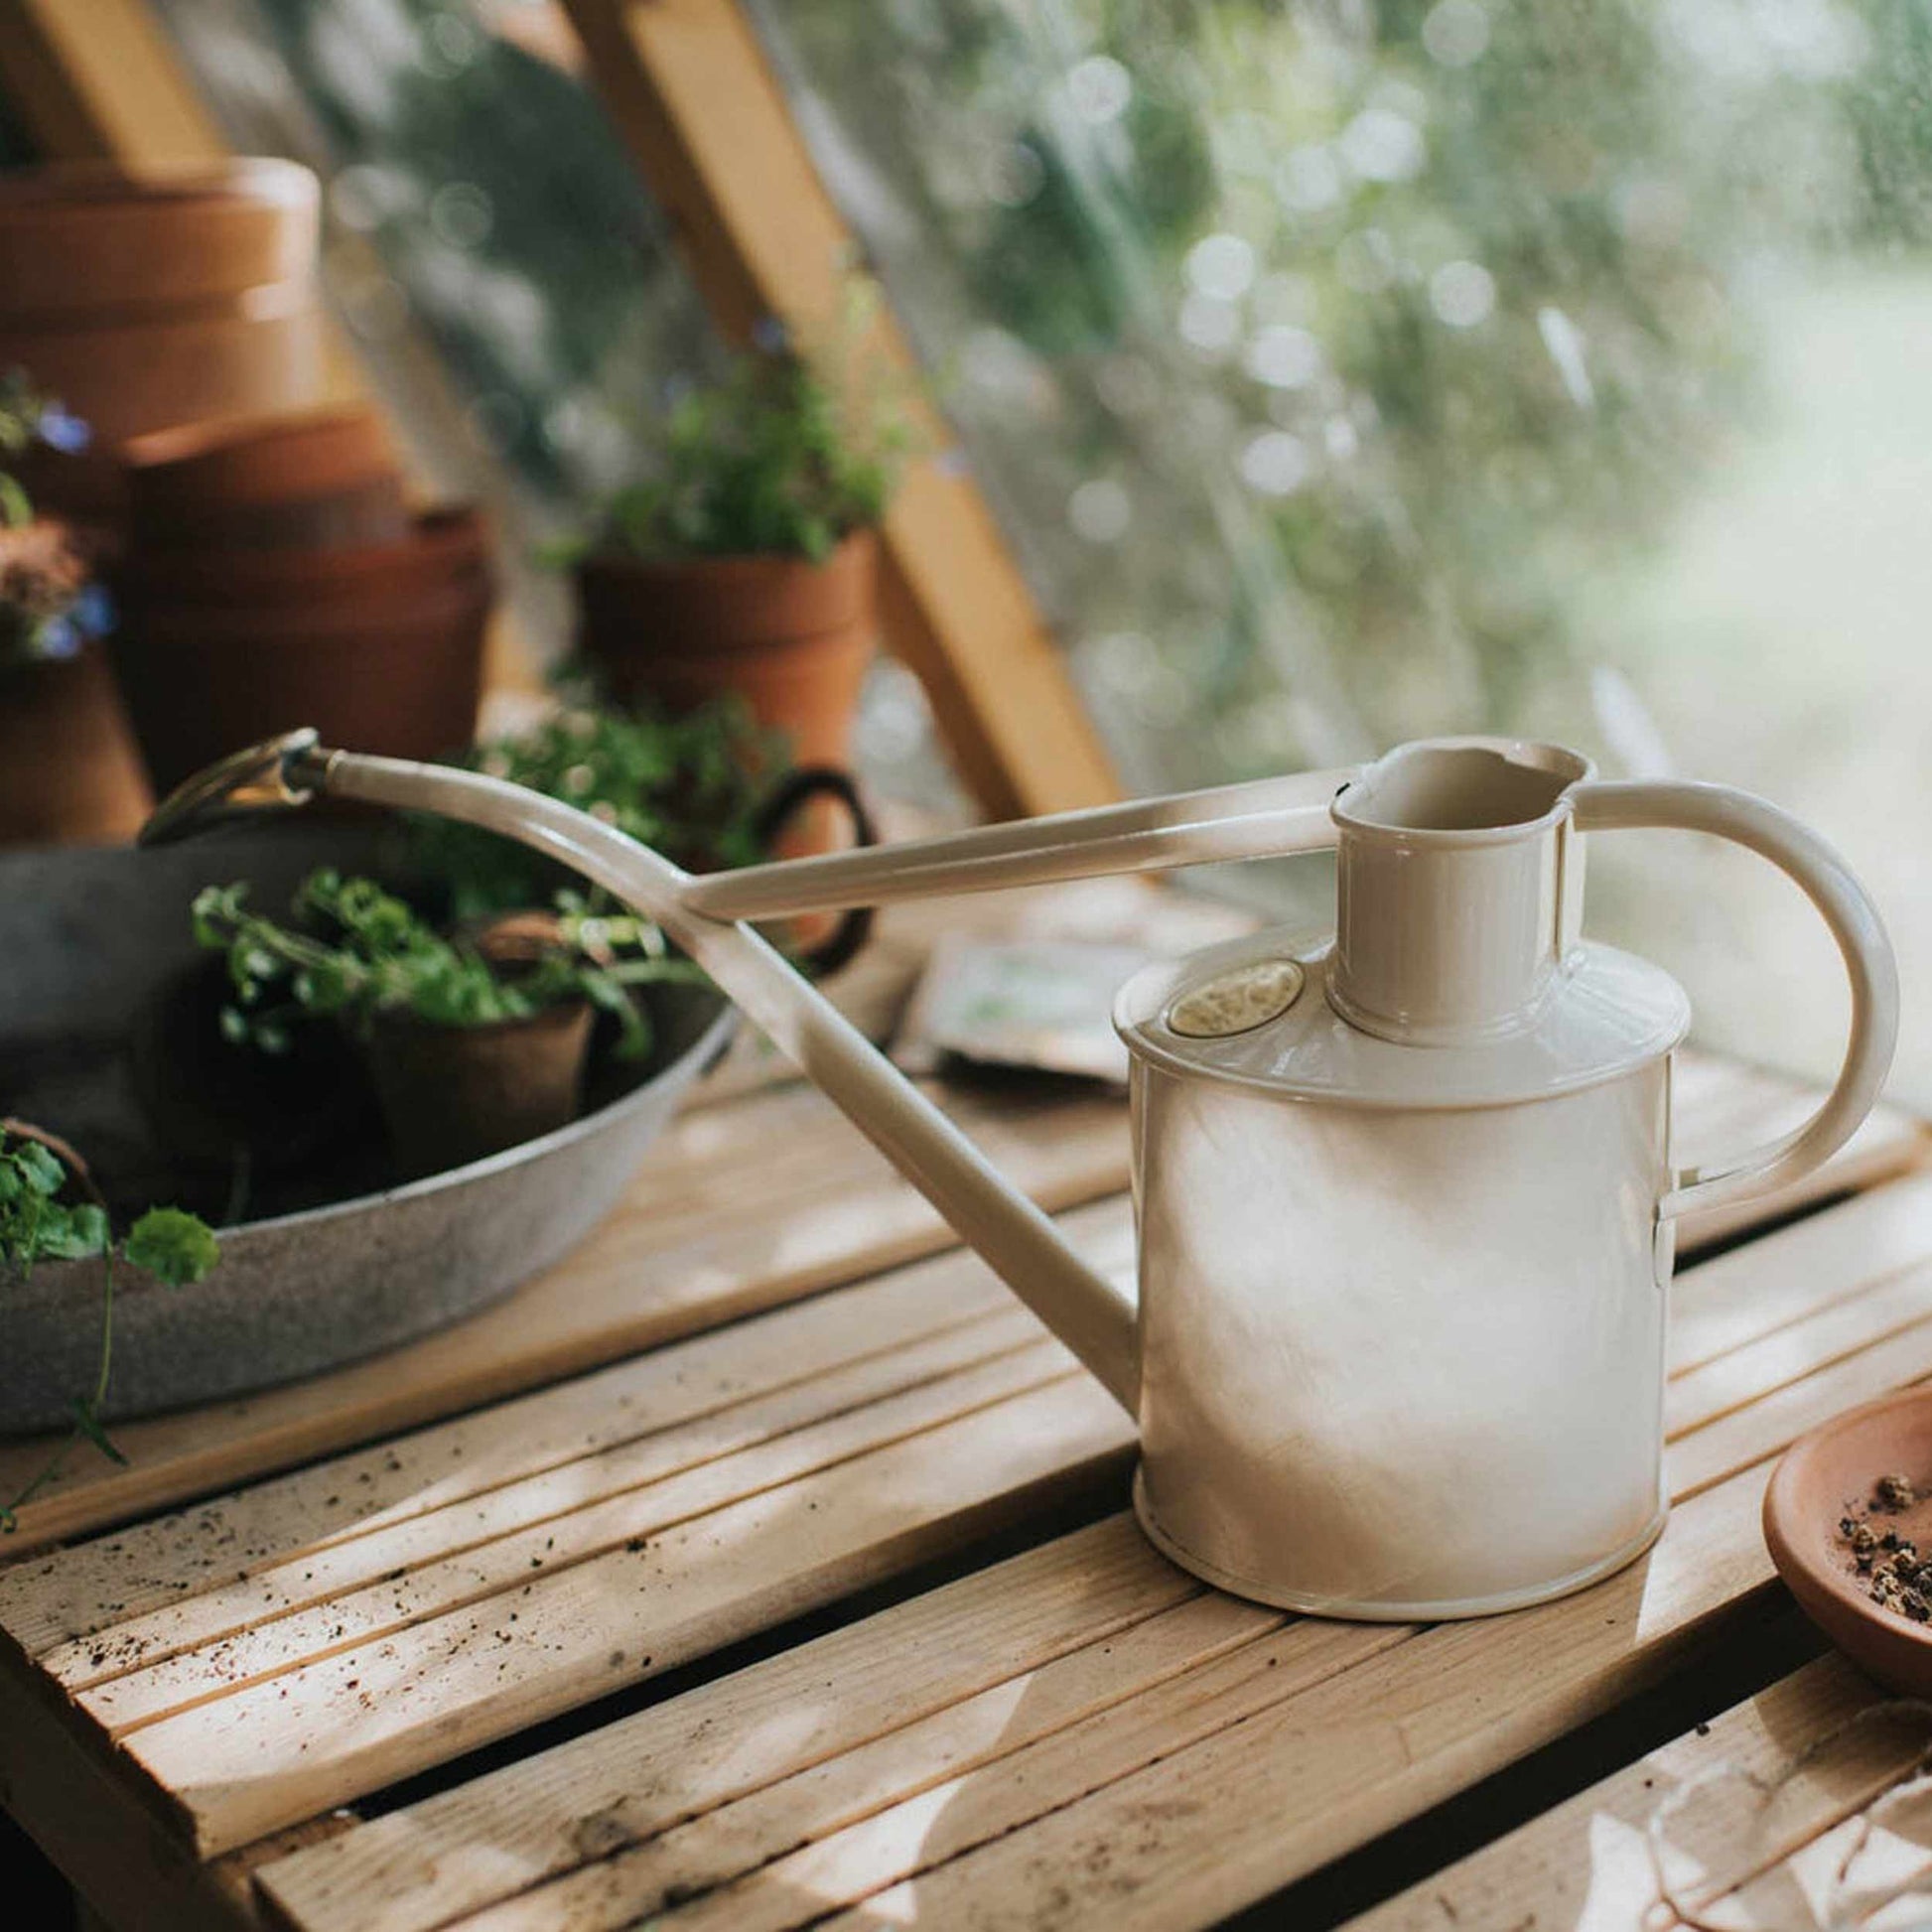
{"x":474,"y":1040}
{"x":744,"y":558}
{"x":67,"y":769}
{"x":50,"y":1210}
{"x":709,"y":789}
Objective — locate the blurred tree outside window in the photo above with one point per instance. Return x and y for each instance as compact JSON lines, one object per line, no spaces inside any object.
{"x":1342,"y":369}
{"x":1352,"y":369}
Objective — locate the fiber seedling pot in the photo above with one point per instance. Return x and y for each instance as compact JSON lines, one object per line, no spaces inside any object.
{"x":451,"y":1095}
{"x":791,"y":637}
{"x":69,"y":770}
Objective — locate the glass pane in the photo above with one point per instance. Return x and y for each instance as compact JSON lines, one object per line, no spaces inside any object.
{"x":1347,"y":372}
{"x":475,"y":194}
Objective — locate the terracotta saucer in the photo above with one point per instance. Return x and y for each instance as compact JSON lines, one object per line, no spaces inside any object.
{"x":1827,"y":1475}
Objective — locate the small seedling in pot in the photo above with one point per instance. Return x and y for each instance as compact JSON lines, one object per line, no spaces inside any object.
{"x":41,"y":1221}
{"x":368,"y":955}
{"x":476,"y":1044}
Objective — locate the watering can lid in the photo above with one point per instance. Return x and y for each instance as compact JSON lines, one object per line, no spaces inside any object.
{"x":1607,"y":1012}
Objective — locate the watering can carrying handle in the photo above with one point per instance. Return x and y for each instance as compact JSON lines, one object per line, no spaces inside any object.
{"x":1854,"y":920}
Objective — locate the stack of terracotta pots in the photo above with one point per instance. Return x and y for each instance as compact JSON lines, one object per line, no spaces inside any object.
{"x":137,"y":302}
{"x":274,"y":577}
{"x":181,"y":295}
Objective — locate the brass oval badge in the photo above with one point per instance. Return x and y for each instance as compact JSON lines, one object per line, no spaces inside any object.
{"x":1238,"y":1001}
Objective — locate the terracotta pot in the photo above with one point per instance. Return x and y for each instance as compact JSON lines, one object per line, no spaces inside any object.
{"x":451,"y":1095}
{"x":1828,"y":1475}
{"x":383,"y":659}
{"x":444,"y":547}
{"x":69,"y":770}
{"x":792,"y":639}
{"x":81,"y":238}
{"x":164,"y":300}
{"x":309,"y":479}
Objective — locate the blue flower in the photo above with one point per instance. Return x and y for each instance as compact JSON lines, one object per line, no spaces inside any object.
{"x":59,"y":638}
{"x":94,"y":610}
{"x":64,"y":432}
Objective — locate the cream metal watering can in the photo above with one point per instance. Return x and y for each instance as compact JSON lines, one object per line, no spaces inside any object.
{"x":1405,"y":1194}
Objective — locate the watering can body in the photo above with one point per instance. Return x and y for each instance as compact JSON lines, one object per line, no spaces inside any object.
{"x":1405,"y":1193}
{"x":1399,"y":1360}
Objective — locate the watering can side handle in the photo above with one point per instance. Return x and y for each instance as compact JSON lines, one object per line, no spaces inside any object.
{"x":1266,"y":818}
{"x":1846,"y":908}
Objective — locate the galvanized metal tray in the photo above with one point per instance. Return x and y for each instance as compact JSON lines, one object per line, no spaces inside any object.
{"x":86,"y":940}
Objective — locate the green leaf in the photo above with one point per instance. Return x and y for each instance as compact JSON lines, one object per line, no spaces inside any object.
{"x":89,"y":1424}
{"x":42,"y":1172}
{"x":70,"y":1233}
{"x":173,"y":1245}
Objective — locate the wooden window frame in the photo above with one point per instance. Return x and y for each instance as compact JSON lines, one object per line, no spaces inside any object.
{"x":100,"y":82}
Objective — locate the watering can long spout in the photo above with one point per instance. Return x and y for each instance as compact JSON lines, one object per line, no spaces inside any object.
{"x":1093,"y":1316}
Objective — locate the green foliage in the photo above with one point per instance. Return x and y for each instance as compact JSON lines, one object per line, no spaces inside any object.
{"x":689,"y":788}
{"x":35,"y":1224}
{"x":174,"y":1247}
{"x":1356,"y":502}
{"x":361,"y":953}
{"x":776,"y":459}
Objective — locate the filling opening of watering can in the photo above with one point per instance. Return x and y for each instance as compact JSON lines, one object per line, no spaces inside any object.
{"x":1466,"y":786}
{"x":1458,"y":890}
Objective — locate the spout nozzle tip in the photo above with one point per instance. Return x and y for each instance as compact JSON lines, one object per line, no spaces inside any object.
{"x":275,"y":776}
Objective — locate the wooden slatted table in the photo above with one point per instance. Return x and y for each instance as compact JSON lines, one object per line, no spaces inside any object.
{"x":766,"y":1566}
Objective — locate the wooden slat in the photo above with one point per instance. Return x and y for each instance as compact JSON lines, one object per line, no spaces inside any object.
{"x":1211,"y":1827}
{"x":677,"y":1406}
{"x":1737,"y":1302}
{"x":481,"y":1842}
{"x":1708,"y":1795}
{"x":353,"y":1721}
{"x":372,"y":1585}
{"x":689,"y":89}
{"x":430,"y":1581}
{"x":1296,"y":1767}
{"x":743,"y":1206}
{"x":1724,"y":1108}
